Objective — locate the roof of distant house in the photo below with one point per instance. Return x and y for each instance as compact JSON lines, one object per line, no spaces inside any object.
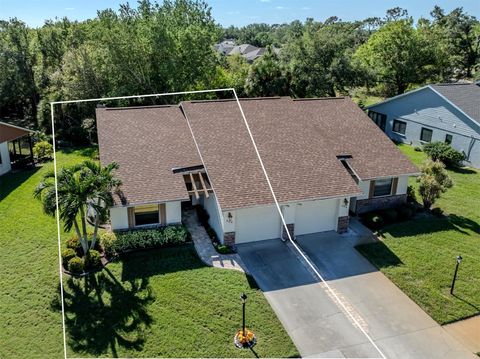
{"x":299,"y":142}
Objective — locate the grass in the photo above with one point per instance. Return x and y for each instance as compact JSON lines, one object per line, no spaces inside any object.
{"x":150,"y":304}
{"x":419,"y":255}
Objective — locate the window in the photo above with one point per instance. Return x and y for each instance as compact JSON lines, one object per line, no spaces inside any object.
{"x":379,"y":118}
{"x":426,"y":135}
{"x":399,"y":126}
{"x":383,"y":187}
{"x":147,"y":215}
{"x":448,"y":138}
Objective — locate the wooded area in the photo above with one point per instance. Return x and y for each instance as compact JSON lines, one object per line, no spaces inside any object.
{"x":154,"y":48}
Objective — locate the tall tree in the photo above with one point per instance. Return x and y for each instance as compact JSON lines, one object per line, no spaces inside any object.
{"x":396,"y":55}
{"x":267,"y":76}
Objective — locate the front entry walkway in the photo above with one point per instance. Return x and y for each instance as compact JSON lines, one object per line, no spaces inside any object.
{"x":315,"y":320}
{"x":204,"y":246}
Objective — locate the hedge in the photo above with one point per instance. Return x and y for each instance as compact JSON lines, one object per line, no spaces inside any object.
{"x":115,"y":243}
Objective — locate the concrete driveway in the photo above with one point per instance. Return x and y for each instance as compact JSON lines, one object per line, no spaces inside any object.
{"x":316,"y":322}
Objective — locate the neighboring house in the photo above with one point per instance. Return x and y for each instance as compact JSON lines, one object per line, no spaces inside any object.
{"x":13,"y":134}
{"x":443,"y":112}
{"x":247,"y":51}
{"x":324,"y":157}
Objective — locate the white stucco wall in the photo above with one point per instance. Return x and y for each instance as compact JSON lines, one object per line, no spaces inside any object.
{"x":402,"y":185}
{"x":173,"y":212}
{"x":119,"y":218}
{"x":343,"y":207}
{"x":215,"y":220}
{"x":5,"y":166}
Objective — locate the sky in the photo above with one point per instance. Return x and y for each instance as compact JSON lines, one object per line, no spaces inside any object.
{"x":239,"y":12}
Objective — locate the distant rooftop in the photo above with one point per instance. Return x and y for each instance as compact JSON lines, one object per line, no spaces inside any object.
{"x":465,"y":96}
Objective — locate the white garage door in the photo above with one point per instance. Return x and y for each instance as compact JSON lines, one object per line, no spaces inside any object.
{"x":256,"y":224}
{"x":316,"y":216}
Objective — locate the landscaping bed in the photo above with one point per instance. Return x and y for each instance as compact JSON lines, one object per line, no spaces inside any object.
{"x":203,"y":218}
{"x":419,"y":255}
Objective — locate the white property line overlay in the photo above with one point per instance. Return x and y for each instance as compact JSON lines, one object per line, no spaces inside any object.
{"x":332,"y":292}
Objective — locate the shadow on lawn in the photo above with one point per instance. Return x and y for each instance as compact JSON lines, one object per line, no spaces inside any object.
{"x":431,"y":224}
{"x":102,"y":313}
{"x":379,"y":254}
{"x":11,"y":181}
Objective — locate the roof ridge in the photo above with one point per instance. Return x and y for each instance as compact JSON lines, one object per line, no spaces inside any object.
{"x":134,"y":107}
{"x":320,"y":98}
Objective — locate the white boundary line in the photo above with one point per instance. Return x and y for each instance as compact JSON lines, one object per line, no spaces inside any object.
{"x":352,"y":317}
{"x":332,"y":292}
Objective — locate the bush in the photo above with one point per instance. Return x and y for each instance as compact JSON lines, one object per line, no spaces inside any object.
{"x":223,"y":249}
{"x":93,"y":259}
{"x":373,"y":220}
{"x":146,"y":238}
{"x":75,"y":265}
{"x":411,"y":194}
{"x":443,"y":152}
{"x":43,"y":151}
{"x":107,"y":240}
{"x":67,"y":254}
{"x":405,"y":213}
{"x":73,"y":242}
{"x":202,"y":215}
{"x":417,"y":149}
{"x":390,"y":215}
{"x":377,"y":221}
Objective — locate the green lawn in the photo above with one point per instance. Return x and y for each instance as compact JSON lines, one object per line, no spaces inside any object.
{"x":150,"y":304}
{"x":419,"y":255}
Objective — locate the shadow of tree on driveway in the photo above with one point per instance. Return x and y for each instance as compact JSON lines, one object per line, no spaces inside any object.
{"x":101,"y":313}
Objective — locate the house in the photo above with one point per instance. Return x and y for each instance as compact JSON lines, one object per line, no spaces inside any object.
{"x":17,"y":138}
{"x":247,"y":51}
{"x":443,"y":112}
{"x":324,"y":158}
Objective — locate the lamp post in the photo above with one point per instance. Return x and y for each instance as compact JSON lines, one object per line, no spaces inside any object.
{"x":243,"y":297}
{"x":459,"y":259}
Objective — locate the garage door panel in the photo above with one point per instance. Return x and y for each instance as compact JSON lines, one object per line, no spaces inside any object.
{"x":256,"y":224}
{"x":315,"y":216}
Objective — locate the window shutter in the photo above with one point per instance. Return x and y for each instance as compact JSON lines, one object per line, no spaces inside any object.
{"x":372,"y":189}
{"x":394,"y":186}
{"x":131,"y":217}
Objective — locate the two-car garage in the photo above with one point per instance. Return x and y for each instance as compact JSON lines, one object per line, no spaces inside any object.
{"x":263,"y":222}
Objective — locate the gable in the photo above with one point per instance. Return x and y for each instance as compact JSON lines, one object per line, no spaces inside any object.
{"x":427,"y":107}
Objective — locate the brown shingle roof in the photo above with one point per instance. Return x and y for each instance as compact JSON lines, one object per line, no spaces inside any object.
{"x":300,"y":165}
{"x":10,"y":132}
{"x":147,"y":143}
{"x":298,"y":141}
{"x":350,"y":132}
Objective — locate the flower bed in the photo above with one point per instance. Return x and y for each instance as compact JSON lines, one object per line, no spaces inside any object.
{"x":75,"y":262}
{"x":115,"y":243}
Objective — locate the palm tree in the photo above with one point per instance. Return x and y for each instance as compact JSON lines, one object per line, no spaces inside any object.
{"x":80,"y":187}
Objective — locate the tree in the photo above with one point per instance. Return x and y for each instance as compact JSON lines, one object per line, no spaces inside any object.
{"x":433,"y":181}
{"x":396,"y":56}
{"x":267,"y":76}
{"x":320,"y":61}
{"x":80,"y":187}
{"x":460,"y":34}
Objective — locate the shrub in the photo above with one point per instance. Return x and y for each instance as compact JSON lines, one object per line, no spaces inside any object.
{"x":43,"y":151}
{"x":405,"y":212}
{"x":373,"y":220}
{"x":107,"y":240}
{"x":67,"y":254}
{"x":390,"y":215}
{"x":75,"y":265}
{"x":417,"y":149}
{"x":223,"y":249}
{"x":146,"y":238}
{"x":93,"y":259}
{"x":202,"y":215}
{"x":443,"y":152}
{"x":411,"y":194}
{"x":73,"y":242}
{"x":433,"y":182}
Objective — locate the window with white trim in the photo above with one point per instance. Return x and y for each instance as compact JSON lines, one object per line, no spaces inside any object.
{"x":147,"y":215}
{"x":379,"y":118}
{"x":399,"y":127}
